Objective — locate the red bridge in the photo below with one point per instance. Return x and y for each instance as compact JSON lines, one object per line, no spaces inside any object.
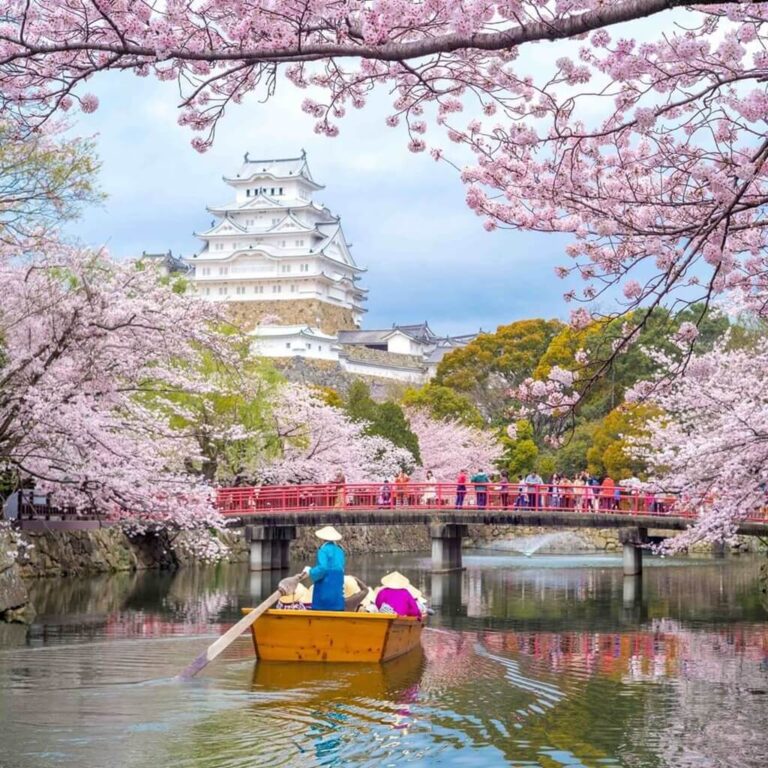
{"x":475,"y":499}
{"x":273,"y":512}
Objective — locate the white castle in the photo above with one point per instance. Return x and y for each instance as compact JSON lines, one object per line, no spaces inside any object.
{"x":283,"y":265}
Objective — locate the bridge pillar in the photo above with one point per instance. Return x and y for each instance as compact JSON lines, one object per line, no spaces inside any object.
{"x":446,"y":546}
{"x":633,"y":539}
{"x":718,"y":548}
{"x":269,"y":546}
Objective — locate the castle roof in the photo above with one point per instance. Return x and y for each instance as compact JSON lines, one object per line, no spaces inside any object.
{"x":291,"y":330}
{"x":168,"y":260}
{"x":276,"y":168}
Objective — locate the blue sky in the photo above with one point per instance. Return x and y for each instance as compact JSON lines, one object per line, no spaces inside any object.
{"x":428,"y":256}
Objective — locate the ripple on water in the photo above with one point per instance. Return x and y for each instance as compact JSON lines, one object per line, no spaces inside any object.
{"x":535,"y":691}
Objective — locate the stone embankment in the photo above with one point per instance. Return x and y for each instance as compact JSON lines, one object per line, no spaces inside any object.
{"x":109,"y":550}
{"x":14,"y":597}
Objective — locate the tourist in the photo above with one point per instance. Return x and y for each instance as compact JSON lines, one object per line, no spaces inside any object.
{"x":461,"y":488}
{"x":396,"y":596}
{"x":616,"y":497}
{"x":521,"y":500}
{"x":430,"y":494}
{"x":578,"y":492}
{"x":554,"y":492}
{"x":566,"y":491}
{"x":533,"y":481}
{"x":401,"y":486}
{"x":504,"y":489}
{"x":480,"y":481}
{"x":328,"y":573}
{"x":298,"y":600}
{"x":385,"y":495}
{"x":338,"y":484}
{"x":606,"y":493}
{"x":593,"y":483}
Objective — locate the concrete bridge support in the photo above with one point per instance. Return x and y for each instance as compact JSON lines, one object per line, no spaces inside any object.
{"x":446,"y":546}
{"x":269,"y":545}
{"x":633,"y":540}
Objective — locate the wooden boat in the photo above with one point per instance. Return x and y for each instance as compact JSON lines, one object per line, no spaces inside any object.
{"x":329,"y":681}
{"x":285,"y":635}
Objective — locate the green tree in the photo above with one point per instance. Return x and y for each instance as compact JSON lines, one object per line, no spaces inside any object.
{"x":608,"y":453}
{"x":521,"y":452}
{"x":571,"y":456}
{"x":231,"y":421}
{"x":444,"y":403}
{"x":383,"y":419}
{"x":494,"y":362}
{"x":43,"y":181}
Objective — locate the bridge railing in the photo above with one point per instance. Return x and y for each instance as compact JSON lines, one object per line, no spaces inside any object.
{"x":446,"y":497}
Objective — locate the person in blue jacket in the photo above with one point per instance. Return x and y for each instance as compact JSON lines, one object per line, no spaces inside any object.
{"x":328,"y":574}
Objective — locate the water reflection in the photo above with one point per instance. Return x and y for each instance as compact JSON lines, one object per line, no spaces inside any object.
{"x":527,"y":662}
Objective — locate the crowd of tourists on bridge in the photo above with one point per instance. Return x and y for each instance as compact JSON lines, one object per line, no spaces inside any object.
{"x":479,"y":489}
{"x":475,"y":490}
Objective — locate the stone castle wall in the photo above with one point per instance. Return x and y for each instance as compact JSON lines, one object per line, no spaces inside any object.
{"x":247,"y":314}
{"x":382,"y":357}
{"x":329,"y":373}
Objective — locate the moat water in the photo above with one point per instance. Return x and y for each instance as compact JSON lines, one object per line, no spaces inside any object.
{"x":528,"y":661}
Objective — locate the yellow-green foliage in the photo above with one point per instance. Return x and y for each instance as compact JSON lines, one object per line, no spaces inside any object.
{"x":608,"y":453}
{"x":443,"y":403}
{"x":513,"y":352}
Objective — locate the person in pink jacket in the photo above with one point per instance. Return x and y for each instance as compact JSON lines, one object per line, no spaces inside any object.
{"x":396,"y":593}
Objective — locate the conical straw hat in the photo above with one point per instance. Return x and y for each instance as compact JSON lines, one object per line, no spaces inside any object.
{"x":329,"y":533}
{"x":395,"y":580}
{"x":301,"y":595}
{"x":351,"y":587}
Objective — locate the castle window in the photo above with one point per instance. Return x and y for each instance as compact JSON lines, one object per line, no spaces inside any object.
{"x":223,"y":290}
{"x":287,"y":344}
{"x":282,"y":243}
{"x":206,"y":270}
{"x":207,"y":291}
{"x":272,"y":191}
{"x":293,"y":289}
{"x":299,"y":243}
{"x":223,"y":270}
{"x":281,"y":191}
{"x":247,"y":192}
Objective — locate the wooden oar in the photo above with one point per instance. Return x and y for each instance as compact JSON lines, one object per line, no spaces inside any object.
{"x":287,"y":586}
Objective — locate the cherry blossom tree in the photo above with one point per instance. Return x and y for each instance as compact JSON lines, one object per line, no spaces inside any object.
{"x":644,"y":142}
{"x":315,"y":440}
{"x":89,"y":348}
{"x":711,"y":442}
{"x":448,"y":446}
{"x":43,"y":181}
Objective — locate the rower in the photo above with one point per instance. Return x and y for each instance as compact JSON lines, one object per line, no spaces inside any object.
{"x":328,"y":573}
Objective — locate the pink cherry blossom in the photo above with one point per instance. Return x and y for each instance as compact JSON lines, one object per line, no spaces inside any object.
{"x":94,"y":353}
{"x":316,"y":440}
{"x":448,"y":446}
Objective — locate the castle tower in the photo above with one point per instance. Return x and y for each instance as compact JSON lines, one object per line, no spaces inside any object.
{"x":273,"y":251}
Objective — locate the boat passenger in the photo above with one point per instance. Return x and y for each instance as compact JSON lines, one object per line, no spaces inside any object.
{"x":328,"y":573}
{"x":397,"y":594}
{"x":299,"y":600}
